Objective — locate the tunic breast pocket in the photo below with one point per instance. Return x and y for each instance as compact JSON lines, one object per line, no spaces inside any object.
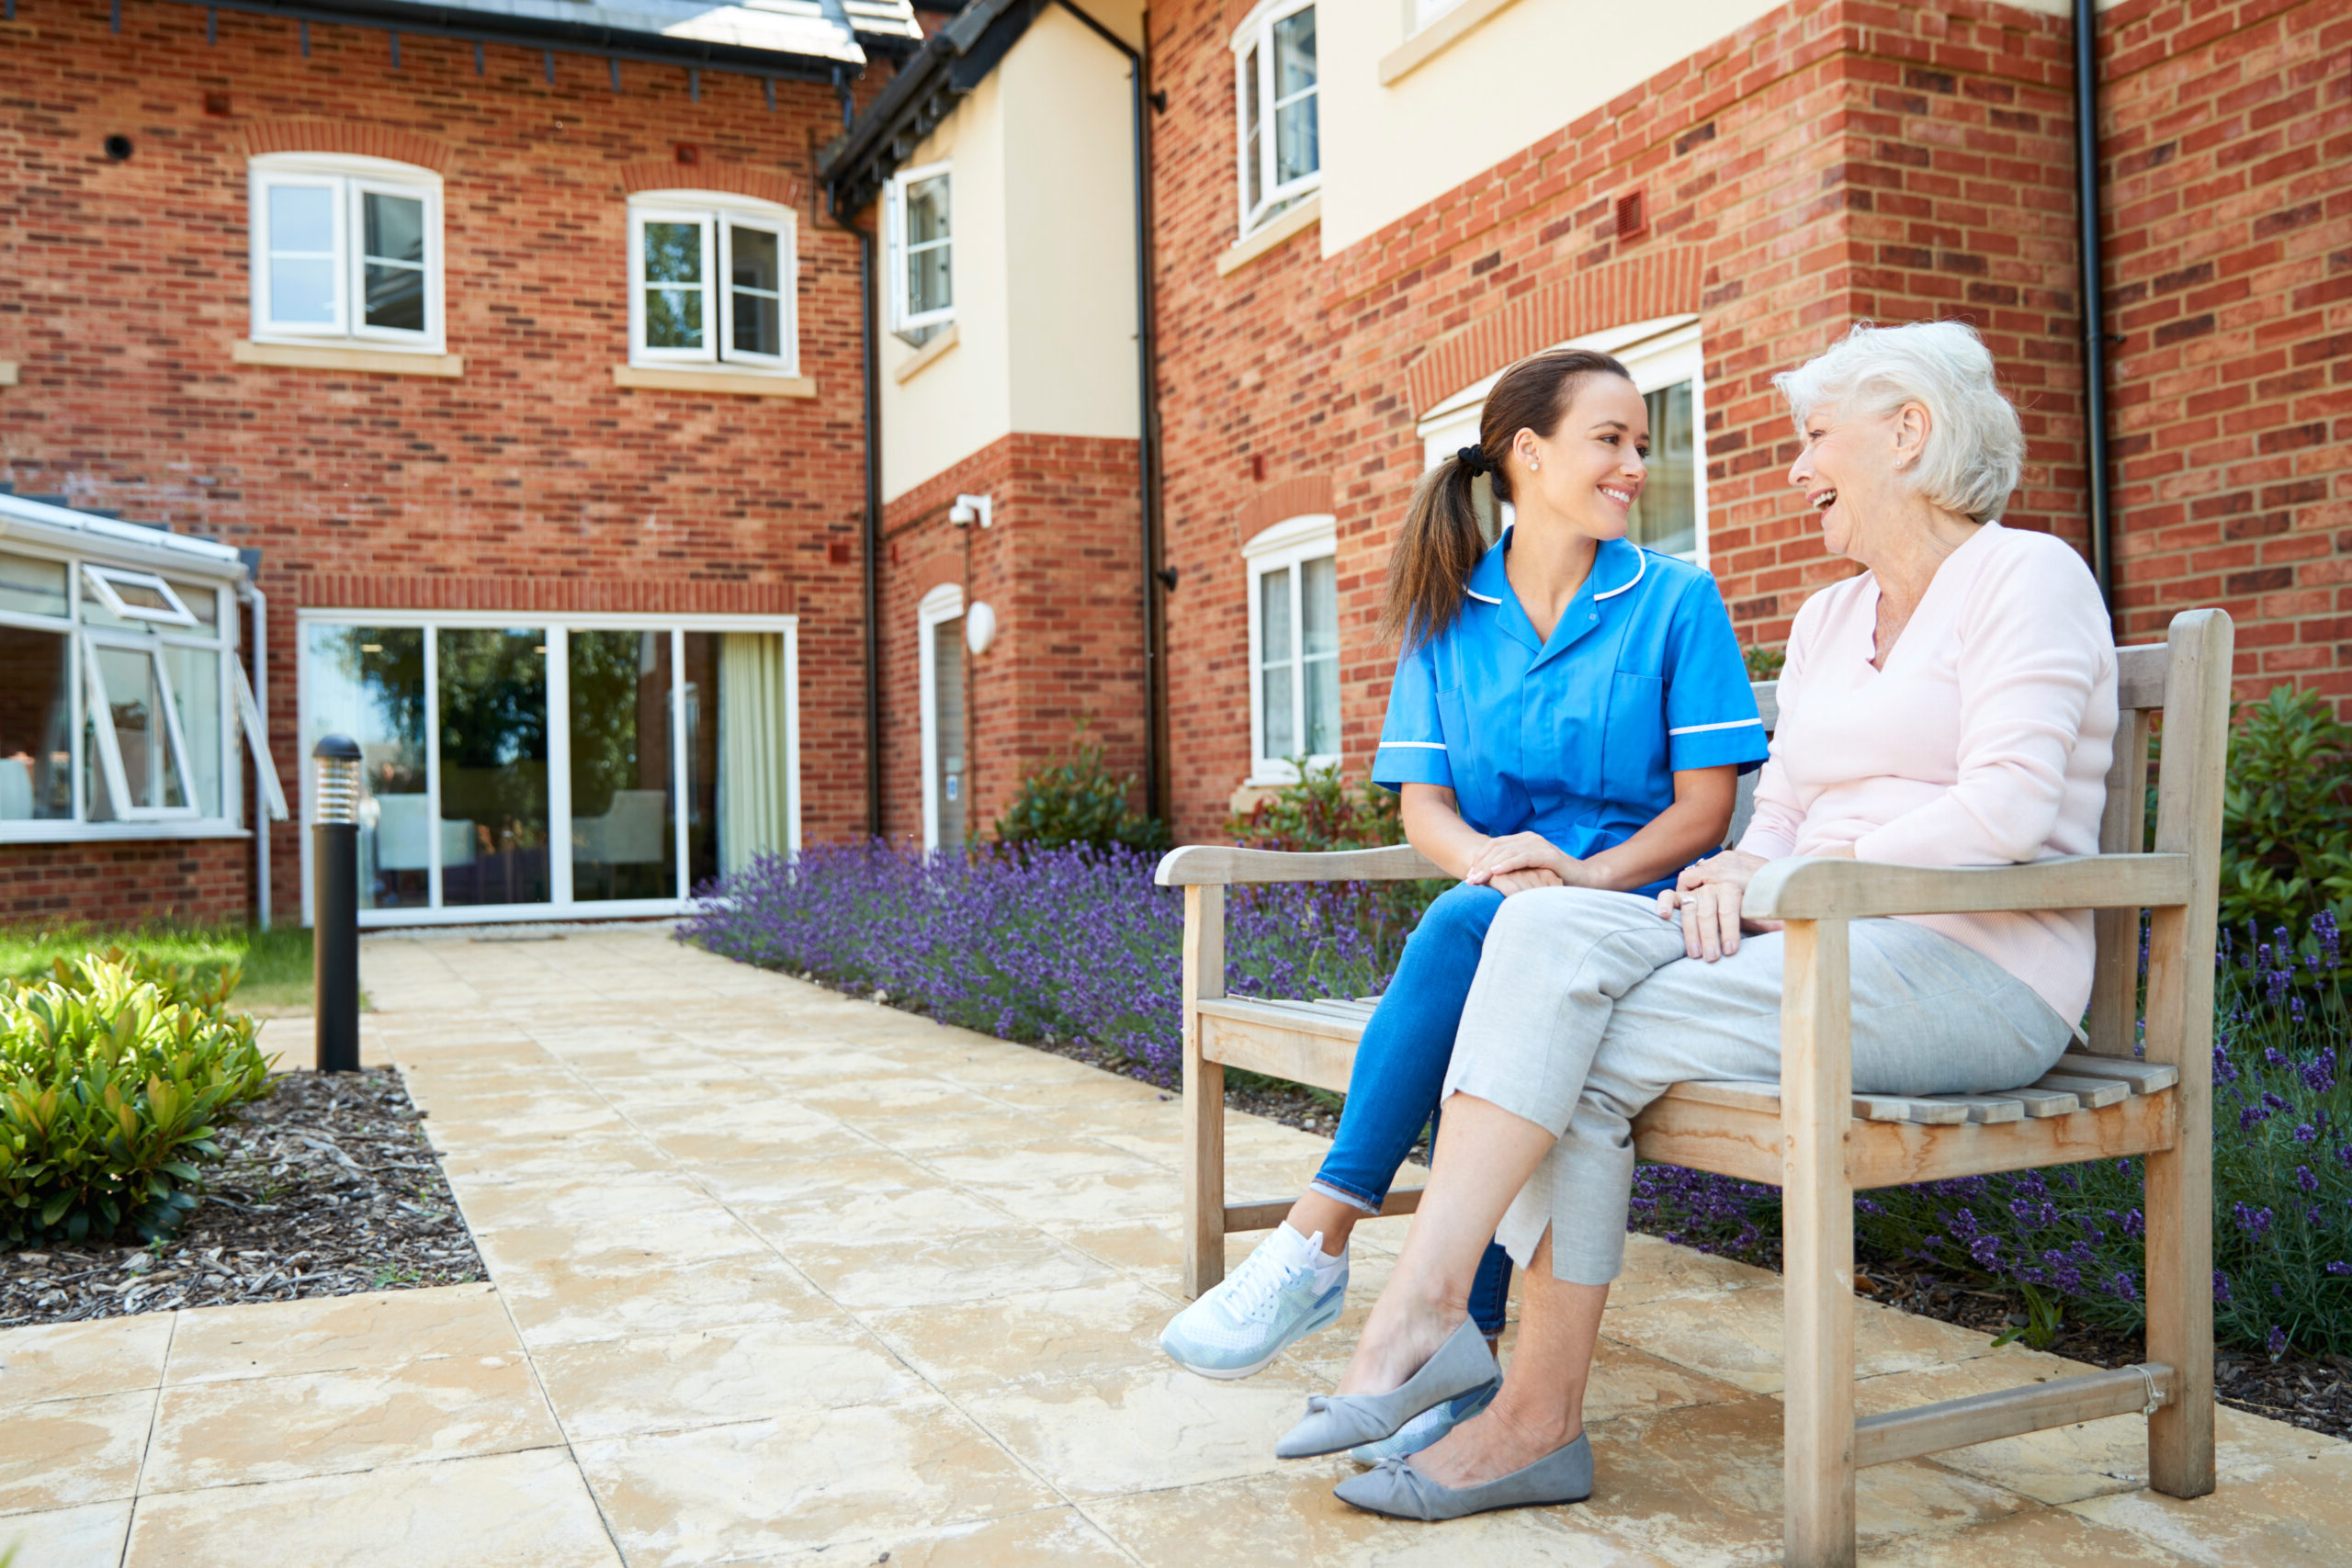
{"x":1633,"y":768}
{"x":1472,"y":757}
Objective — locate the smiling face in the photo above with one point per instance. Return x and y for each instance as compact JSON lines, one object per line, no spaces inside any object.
{"x":1590,"y":469}
{"x":1851,"y":472}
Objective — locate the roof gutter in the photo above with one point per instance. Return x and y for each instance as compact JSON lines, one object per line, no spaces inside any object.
{"x":2095,"y":338}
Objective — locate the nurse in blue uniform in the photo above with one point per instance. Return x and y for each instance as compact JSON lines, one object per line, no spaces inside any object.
{"x":1570,"y":710}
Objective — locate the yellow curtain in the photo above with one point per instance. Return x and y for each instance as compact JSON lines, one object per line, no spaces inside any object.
{"x":755,"y":784}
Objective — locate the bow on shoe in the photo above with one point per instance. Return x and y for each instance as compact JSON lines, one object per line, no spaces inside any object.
{"x":1409,"y":1488}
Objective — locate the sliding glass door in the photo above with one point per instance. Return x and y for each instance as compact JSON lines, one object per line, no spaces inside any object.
{"x":516,"y":771}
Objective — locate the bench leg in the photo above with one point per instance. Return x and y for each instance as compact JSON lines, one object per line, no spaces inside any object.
{"x":1817,"y":1249}
{"x":2180,"y":1315}
{"x":1203,"y":1173}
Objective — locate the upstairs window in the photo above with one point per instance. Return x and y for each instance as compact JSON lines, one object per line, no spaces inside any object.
{"x":711,"y":281}
{"x":345,"y":248}
{"x":1274,"y":95}
{"x":922,"y":253}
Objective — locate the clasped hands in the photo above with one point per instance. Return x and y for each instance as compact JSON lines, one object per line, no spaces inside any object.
{"x":1518,"y":862}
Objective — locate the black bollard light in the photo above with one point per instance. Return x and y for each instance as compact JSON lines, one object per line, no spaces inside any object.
{"x":334,"y":902}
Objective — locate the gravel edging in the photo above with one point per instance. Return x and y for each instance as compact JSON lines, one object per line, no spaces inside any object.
{"x":326,"y":1188}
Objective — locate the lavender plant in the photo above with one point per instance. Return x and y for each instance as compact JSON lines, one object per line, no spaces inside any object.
{"x":1069,"y":943}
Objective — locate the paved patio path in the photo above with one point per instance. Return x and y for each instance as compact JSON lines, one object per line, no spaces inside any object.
{"x":779,"y":1277}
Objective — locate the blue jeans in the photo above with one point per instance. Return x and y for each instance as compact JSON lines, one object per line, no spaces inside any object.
{"x":1400,"y":1067}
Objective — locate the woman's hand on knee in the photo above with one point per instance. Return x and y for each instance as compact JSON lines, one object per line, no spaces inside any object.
{"x":1509,"y":881}
{"x":1705,"y":900}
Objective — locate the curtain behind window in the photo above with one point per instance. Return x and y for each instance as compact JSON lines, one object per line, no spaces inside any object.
{"x":754,"y":792}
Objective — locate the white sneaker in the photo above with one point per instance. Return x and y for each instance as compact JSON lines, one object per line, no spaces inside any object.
{"x":1284,"y":1291}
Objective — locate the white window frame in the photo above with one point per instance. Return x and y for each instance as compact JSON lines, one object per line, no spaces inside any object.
{"x":111,"y":770}
{"x":942,"y":604}
{"x":717,"y":215}
{"x":89,"y":720}
{"x":105,"y":579}
{"x":903,"y":320}
{"x":1257,"y":34}
{"x":1289,"y":544}
{"x":349,"y":177}
{"x":558,"y":629}
{"x":1658,"y":353}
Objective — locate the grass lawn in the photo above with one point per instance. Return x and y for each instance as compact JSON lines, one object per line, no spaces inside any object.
{"x":276,"y":962}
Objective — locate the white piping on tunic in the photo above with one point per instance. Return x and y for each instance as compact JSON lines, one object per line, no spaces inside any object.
{"x":1414,"y":745}
{"x":1641,"y":555}
{"x":1480,"y":597}
{"x":1727,"y":724}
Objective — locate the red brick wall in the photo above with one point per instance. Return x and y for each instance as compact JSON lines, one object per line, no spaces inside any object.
{"x":124,"y":882}
{"x":1059,"y":564}
{"x":123,"y":287}
{"x":2228,"y":143}
{"x":1829,"y":163}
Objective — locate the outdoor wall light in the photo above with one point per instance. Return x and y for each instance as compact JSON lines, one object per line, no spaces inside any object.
{"x":969,"y":508}
{"x":979,"y":625}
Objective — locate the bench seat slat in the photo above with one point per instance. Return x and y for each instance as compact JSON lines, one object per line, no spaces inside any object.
{"x":2093,"y":1092}
{"x":2144,"y":1077}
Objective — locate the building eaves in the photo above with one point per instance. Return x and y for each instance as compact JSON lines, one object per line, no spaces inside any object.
{"x":949,"y":66}
{"x":812,"y":39}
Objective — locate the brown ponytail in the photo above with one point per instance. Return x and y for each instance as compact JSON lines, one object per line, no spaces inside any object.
{"x":1429,"y":572}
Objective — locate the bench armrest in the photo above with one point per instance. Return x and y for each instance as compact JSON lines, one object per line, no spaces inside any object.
{"x":1218,"y":865}
{"x":1830,"y":889}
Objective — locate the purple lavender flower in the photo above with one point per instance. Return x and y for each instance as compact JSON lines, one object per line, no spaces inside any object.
{"x":2275,"y":1341}
{"x":2220,"y":1288}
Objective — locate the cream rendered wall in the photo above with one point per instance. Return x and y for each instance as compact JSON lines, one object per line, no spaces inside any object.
{"x":1043,"y":219}
{"x":1529,"y":70}
{"x":962,"y":401}
{"x":1071,"y":224}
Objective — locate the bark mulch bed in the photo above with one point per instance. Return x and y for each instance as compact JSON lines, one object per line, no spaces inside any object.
{"x":2312,"y":1392}
{"x":327,"y":1187}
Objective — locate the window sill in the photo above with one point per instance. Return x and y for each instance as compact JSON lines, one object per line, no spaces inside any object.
{"x":924,"y":355}
{"x":1271,"y":234}
{"x":35,"y":833}
{"x":372,"y":361}
{"x":744,"y":383}
{"x":1436,"y":39}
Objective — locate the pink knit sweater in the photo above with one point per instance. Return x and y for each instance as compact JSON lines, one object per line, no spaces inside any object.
{"x":1985,"y":741}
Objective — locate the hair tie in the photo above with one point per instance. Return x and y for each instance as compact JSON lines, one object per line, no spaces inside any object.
{"x":1475,"y":459}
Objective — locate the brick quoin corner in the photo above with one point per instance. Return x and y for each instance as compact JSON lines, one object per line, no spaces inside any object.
{"x":1827,"y":163}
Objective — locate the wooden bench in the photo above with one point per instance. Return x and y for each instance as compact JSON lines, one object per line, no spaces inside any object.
{"x":1819,"y":1142}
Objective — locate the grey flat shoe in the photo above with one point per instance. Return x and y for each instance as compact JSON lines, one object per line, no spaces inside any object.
{"x":1400,"y":1492}
{"x":1336,"y":1421}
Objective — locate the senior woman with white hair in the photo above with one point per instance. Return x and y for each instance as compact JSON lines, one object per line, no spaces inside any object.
{"x":1954,"y":704}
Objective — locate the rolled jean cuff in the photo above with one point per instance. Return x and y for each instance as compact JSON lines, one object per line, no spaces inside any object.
{"x":1338,"y":1193}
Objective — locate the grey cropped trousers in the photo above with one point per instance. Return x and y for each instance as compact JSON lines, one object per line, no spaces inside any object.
{"x":1584,"y":1010}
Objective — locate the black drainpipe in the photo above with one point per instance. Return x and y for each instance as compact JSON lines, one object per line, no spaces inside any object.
{"x":2094,"y":296}
{"x":870,"y":544}
{"x":1147,"y":442}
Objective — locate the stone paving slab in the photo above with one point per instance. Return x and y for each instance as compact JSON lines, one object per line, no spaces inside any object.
{"x":778,"y":1277}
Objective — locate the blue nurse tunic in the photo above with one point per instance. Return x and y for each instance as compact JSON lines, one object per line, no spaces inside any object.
{"x":1579,"y":738}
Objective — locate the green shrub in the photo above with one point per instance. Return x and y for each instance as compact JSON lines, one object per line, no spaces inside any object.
{"x":111,"y":1080}
{"x":2285,"y":823}
{"x":1320,"y":812}
{"x":1764,"y":663}
{"x":1077,"y":801}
